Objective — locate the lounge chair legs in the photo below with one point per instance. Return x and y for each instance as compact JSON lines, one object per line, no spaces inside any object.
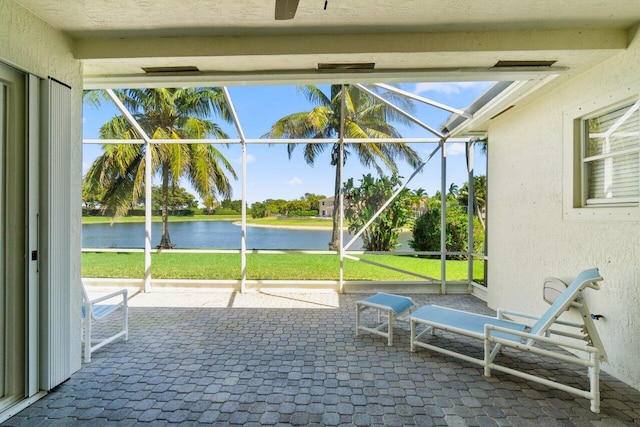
{"x":594,"y":382}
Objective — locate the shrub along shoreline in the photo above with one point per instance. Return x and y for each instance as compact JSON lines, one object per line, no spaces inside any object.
{"x":127,"y":219}
{"x":267,"y":221}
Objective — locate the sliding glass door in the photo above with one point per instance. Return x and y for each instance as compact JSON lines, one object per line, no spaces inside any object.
{"x":12,"y":238}
{"x":3,"y":96}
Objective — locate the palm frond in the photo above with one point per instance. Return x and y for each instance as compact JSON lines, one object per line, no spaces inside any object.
{"x":94,"y":97}
{"x":296,"y":125}
{"x":118,"y":128}
{"x":208,"y":171}
{"x":314,"y":95}
{"x":312,"y":151}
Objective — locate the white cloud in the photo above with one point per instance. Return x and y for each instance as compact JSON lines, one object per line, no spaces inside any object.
{"x":295,"y":181}
{"x":450,"y":88}
{"x":455,"y":149}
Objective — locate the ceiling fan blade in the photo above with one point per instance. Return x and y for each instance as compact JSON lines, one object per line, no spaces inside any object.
{"x":286,"y":9}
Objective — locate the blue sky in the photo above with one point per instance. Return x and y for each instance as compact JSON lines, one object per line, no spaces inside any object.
{"x":270,"y":174}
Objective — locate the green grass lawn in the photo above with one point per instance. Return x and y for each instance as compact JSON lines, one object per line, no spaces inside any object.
{"x":266,"y":267}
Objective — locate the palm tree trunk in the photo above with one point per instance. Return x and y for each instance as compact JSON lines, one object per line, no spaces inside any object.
{"x":334,"y":244}
{"x":165,"y":242}
{"x":479,"y":214}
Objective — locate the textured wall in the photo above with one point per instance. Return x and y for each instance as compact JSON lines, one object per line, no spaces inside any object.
{"x":528,"y":237}
{"x":31,"y":45}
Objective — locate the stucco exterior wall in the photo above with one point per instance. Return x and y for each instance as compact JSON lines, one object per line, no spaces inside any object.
{"x":29,"y":44}
{"x":529,"y":236}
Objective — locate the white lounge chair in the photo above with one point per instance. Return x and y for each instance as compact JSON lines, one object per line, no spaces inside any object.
{"x":93,"y":311}
{"x":497,"y":332}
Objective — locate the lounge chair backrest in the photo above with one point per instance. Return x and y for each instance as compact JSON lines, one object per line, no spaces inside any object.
{"x":565,"y":299}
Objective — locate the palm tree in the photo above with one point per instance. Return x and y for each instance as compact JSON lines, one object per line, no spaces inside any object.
{"x":365,"y":118}
{"x":419,"y":196}
{"x":163,"y":114}
{"x":479,"y":196}
{"x":454,"y":190}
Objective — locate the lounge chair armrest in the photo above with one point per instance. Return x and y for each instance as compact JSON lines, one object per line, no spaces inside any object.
{"x":503,"y":311}
{"x":516,"y":344}
{"x":124,"y":293}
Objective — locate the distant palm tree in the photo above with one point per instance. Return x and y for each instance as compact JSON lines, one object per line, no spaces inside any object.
{"x":453,"y":190}
{"x":479,"y":196}
{"x":163,"y":114}
{"x":365,"y":118}
{"x":419,"y":196}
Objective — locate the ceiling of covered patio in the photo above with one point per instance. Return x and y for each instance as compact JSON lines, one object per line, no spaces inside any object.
{"x":232,"y":42}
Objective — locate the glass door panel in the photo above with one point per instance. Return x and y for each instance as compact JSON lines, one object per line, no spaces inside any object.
{"x":12,"y":238}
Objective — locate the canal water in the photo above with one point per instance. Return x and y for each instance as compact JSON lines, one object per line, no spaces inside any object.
{"x":213,"y":235}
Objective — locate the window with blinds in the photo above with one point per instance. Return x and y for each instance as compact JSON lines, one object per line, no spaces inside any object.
{"x":611,"y":156}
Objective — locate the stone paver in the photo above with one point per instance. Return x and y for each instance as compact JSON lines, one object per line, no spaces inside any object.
{"x":293,"y":359}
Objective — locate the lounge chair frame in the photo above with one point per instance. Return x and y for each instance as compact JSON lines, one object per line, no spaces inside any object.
{"x":497,"y":333}
{"x":93,"y":311}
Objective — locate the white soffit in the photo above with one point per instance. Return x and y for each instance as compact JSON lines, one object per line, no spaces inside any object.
{"x":420,"y":56}
{"x":428,"y":40}
{"x":90,"y":19}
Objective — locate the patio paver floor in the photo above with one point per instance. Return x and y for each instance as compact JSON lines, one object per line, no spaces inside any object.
{"x":293,"y":359}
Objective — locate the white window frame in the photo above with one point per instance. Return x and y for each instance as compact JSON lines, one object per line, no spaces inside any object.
{"x":575,"y":206}
{"x":613,"y":201}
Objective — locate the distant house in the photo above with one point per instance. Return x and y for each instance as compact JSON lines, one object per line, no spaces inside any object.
{"x":325,"y":206}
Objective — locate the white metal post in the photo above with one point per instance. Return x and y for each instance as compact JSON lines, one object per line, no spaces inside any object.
{"x":471,"y":205}
{"x":148,"y":204}
{"x":341,"y":194}
{"x":243,"y":240}
{"x":485,"y":222}
{"x":443,"y":219}
{"x":243,"y":232}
